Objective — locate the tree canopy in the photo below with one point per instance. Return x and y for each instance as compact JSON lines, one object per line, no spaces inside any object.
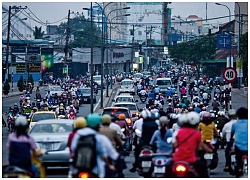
{"x":80,"y":30}
{"x":38,"y":33}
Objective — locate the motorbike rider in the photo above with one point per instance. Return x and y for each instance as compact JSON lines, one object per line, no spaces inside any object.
{"x":16,"y":108}
{"x":156,"y":90}
{"x":139,"y":87}
{"x":149,"y":126}
{"x":47,"y":95}
{"x":71,"y":108}
{"x":188,"y":141}
{"x":61,"y":110}
{"x":143,"y":92}
{"x":44,"y":102}
{"x":20,"y":145}
{"x":160,"y":137}
{"x":116,"y":142}
{"x":34,"y":109}
{"x":151,"y":95}
{"x":207,"y":127}
{"x":226,"y":133}
{"x":105,"y":151}
{"x":75,"y":103}
{"x":240,"y":133}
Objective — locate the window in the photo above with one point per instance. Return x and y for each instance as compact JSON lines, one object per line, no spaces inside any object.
{"x":139,"y":33}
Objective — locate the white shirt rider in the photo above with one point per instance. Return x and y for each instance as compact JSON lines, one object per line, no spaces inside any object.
{"x":143,"y":92}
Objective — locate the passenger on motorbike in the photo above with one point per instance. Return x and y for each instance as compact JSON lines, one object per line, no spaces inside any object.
{"x":20,"y":145}
{"x":148,"y":128}
{"x":143,"y":92}
{"x":188,"y":141}
{"x":160,"y":137}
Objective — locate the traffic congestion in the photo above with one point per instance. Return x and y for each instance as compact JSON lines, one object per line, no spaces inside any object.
{"x":169,"y":123}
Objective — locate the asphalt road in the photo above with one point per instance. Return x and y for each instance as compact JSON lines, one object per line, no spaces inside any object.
{"x":238,"y":100}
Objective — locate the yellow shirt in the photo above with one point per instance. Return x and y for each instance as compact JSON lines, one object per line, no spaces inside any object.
{"x":207,"y":131}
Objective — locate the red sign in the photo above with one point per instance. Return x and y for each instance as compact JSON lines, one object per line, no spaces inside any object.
{"x":229,"y":74}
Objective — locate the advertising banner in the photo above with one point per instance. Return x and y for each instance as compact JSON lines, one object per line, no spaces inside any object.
{"x":47,"y":58}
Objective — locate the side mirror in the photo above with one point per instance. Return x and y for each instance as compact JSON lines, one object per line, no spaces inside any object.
{"x":113,"y":100}
{"x":136,"y":100}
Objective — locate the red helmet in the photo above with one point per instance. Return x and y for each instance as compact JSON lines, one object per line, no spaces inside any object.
{"x":206,"y":116}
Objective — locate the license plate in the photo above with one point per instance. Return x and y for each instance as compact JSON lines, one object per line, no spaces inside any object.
{"x":159,"y":169}
{"x":233,"y":158}
{"x":208,"y":156}
{"x":85,"y":99}
{"x":146,"y":164}
{"x":47,"y":146}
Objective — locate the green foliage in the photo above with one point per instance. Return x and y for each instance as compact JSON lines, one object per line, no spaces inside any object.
{"x":6,"y":86}
{"x":81,"y":30}
{"x":244,"y":46}
{"x":30,"y":79}
{"x":20,"y":83}
{"x":38,"y":33}
{"x":196,"y":51}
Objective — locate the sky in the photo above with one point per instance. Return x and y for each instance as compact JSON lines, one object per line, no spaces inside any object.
{"x":57,"y":11}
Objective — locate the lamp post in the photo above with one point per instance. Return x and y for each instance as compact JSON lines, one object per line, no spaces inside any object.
{"x":111,"y":65}
{"x":238,"y":43}
{"x":230,"y":50}
{"x":107,"y":91}
{"x":91,"y":60}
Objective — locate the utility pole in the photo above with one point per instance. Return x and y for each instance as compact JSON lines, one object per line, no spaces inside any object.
{"x":133,"y":39}
{"x":91,"y":63}
{"x":8,"y":44}
{"x":67,"y":39}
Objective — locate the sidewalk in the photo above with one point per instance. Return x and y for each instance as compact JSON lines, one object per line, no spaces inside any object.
{"x":243,"y":91}
{"x":14,"y":91}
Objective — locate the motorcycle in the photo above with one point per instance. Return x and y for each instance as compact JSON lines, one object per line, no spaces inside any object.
{"x":211,"y":159}
{"x":145,"y":168}
{"x":72,"y":115}
{"x":16,"y":172}
{"x":234,"y":165}
{"x":160,"y":162}
{"x":12,"y":124}
{"x":143,"y":98}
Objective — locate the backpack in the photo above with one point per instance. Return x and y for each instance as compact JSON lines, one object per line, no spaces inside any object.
{"x":85,"y":157}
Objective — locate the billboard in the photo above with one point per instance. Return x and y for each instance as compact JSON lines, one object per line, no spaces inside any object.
{"x":47,"y":58}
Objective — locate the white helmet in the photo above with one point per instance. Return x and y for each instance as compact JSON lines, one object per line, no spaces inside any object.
{"x":21,"y":121}
{"x":146,"y":114}
{"x":164,"y":120}
{"x":182,"y":119}
{"x":193,"y":118}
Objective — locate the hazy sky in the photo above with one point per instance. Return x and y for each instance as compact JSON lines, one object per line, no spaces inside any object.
{"x":57,"y":10}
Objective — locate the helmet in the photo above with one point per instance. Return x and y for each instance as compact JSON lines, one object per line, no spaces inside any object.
{"x":94,"y":120}
{"x":122,"y":116}
{"x":221,"y":113}
{"x":182,"y":119}
{"x":155,"y":115}
{"x":71,"y":106}
{"x":21,"y":121}
{"x":146,"y":114}
{"x":164,"y":120}
{"x":231,"y":112}
{"x":28,"y":98}
{"x":204,"y":108}
{"x":206,"y":116}
{"x":61,"y":104}
{"x":106,"y":119}
{"x":80,"y":122}
{"x":34,"y":108}
{"x":193,"y":118}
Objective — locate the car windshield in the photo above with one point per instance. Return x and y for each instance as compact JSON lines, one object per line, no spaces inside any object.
{"x":52,"y":128}
{"x":116,"y":112}
{"x":126,"y":83}
{"x":86,"y":91}
{"x":56,"y":88}
{"x":124,"y":99}
{"x":163,"y":82}
{"x":129,"y":106}
{"x":138,"y":75}
{"x":97,"y":78}
{"x":43,"y":116}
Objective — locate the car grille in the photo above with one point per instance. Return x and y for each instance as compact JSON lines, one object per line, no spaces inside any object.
{"x":49,"y":146}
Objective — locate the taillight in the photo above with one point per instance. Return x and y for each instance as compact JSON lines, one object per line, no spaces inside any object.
{"x":159,"y":162}
{"x":180,"y":168}
{"x":129,"y":121}
{"x":83,"y":175}
{"x":146,"y":152}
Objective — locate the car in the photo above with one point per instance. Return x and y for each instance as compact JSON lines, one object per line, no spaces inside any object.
{"x":124,"y":98}
{"x":147,"y":74}
{"x":127,"y":86}
{"x":97,"y":79}
{"x":137,"y":77}
{"x":86,"y":96}
{"x":163,"y":84}
{"x":55,"y":89}
{"x":41,"y":115}
{"x":133,"y":108}
{"x":116,"y":111}
{"x":52,"y":135}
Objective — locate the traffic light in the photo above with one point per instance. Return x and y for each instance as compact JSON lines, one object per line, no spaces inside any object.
{"x":65,"y":69}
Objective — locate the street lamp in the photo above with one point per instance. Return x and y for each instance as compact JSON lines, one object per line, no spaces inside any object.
{"x":111,"y":65}
{"x":107,"y":91}
{"x":230,"y":50}
{"x":91,"y":60}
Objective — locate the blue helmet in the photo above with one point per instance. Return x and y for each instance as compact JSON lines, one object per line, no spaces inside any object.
{"x":94,"y":120}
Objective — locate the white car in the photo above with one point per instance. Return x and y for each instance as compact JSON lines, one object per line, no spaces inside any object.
{"x":124,"y":98}
{"x":55,"y":89}
{"x":133,"y":108}
{"x":127,"y":86}
{"x":137,"y":77}
{"x":97,"y":79}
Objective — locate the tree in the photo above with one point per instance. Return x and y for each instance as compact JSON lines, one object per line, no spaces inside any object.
{"x":38,"y":33}
{"x":30,"y":79}
{"x":6,"y":87}
{"x":80,"y":29}
{"x":196,"y":51}
{"x":20,"y":84}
